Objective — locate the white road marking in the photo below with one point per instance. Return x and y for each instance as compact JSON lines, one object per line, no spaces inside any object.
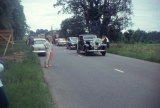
{"x":79,"y":55}
{"x":119,"y":70}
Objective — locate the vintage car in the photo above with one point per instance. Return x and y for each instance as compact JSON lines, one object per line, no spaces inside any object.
{"x":61,"y":41}
{"x":71,"y":42}
{"x":38,"y":46}
{"x":89,"y":43}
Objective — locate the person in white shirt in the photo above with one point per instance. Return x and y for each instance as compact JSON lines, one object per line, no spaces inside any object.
{"x":49,"y":51}
{"x":4,"y":103}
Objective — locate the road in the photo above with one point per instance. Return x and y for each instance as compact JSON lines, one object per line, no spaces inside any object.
{"x":95,"y":81}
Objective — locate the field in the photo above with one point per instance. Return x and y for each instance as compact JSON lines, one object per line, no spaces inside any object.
{"x":148,"y":52}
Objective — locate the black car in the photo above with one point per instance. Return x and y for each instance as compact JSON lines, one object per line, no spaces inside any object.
{"x":71,"y":42}
{"x":89,"y":43}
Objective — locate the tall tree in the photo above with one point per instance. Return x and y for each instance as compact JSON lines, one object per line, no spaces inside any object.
{"x":19,"y":22}
{"x":101,"y":12}
{"x":72,"y":26}
{"x":6,"y":9}
{"x":12,"y":17}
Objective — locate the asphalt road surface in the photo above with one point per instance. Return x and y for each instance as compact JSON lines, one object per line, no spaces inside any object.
{"x":95,"y":81}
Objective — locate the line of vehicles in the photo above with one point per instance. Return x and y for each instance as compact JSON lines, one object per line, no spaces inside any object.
{"x":85,"y":43}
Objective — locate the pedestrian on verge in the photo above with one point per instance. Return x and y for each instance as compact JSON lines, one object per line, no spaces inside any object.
{"x":105,"y":40}
{"x":49,"y":51}
{"x":4,"y":103}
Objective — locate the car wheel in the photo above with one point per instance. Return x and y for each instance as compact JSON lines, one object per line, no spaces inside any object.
{"x":103,"y":53}
{"x":86,"y":53}
{"x":69,"y":47}
{"x":78,"y":51}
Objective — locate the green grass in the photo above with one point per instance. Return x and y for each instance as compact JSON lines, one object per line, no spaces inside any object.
{"x":24,"y":83}
{"x":148,"y":52}
{"x":18,"y":47}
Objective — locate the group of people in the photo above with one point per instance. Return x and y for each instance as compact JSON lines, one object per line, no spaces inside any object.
{"x":105,"y":40}
{"x":4,"y":103}
{"x":29,"y":40}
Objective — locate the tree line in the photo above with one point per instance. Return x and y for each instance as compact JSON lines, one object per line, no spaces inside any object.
{"x":72,"y":27}
{"x":140,"y":36}
{"x":12,"y":17}
{"x":38,"y":32}
{"x":100,"y":17}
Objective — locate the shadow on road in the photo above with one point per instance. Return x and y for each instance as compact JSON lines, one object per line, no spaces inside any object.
{"x":91,"y":54}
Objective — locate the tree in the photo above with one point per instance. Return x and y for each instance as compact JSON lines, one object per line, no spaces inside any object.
{"x":103,"y":13}
{"x":6,"y":9}
{"x":12,"y":17}
{"x":128,"y":36}
{"x":153,"y":37}
{"x":72,"y":27}
{"x":32,"y":33}
{"x":19,"y":22}
{"x":41,"y":31}
{"x":114,"y":34}
{"x":140,"y":36}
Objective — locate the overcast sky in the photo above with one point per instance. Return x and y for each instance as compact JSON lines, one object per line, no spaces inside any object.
{"x":40,"y":14}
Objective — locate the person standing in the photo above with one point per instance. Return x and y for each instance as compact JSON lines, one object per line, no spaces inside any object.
{"x":4,"y":103}
{"x":49,"y":51}
{"x":105,"y":40}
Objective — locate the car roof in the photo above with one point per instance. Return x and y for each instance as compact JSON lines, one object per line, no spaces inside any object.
{"x":39,"y":39}
{"x":61,"y":38}
{"x":87,"y":35}
{"x":72,"y":37}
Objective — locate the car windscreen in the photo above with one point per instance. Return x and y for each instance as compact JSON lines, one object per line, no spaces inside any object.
{"x":39,"y":41}
{"x":89,"y":37}
{"x":74,"y":39}
{"x":62,"y":39}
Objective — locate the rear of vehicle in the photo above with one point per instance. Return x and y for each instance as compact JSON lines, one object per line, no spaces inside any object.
{"x":61,"y":41}
{"x":38,"y":46}
{"x":72,"y":43}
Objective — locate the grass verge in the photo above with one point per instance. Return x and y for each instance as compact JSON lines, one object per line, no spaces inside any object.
{"x":24,"y":83}
{"x":148,"y":52}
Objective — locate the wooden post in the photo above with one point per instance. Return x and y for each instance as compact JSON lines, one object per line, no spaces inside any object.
{"x":7,"y":45}
{"x":6,"y":38}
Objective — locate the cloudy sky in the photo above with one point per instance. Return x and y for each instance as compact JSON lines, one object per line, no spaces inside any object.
{"x":40,"y":14}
